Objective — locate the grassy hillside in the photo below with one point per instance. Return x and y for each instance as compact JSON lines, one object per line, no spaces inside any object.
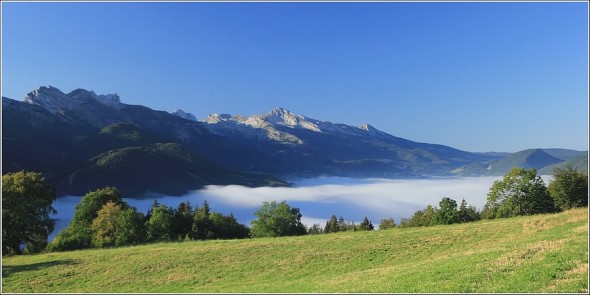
{"x":543,"y":253}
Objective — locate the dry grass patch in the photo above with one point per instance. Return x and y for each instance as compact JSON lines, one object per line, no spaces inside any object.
{"x":518,"y":257}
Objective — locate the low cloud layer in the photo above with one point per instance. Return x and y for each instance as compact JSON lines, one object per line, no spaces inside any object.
{"x":376,"y":198}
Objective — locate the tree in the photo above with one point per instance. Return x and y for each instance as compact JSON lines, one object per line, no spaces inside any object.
{"x":569,"y":188}
{"x":26,"y":210}
{"x":366,"y":224}
{"x":277,"y":220}
{"x":386,"y":223}
{"x":447,"y":213}
{"x":520,"y":192}
{"x":78,"y":234}
{"x":158,"y":227}
{"x":421,"y":217}
{"x":331,"y":225}
{"x":130,"y":229}
{"x":202,"y":226}
{"x":227,"y":227}
{"x":182,"y":220}
{"x":342,"y":226}
{"x":315,"y":229}
{"x":105,"y":224}
{"x":467,"y":213}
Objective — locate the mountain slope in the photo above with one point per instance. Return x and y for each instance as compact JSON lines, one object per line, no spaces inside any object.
{"x":136,"y":161}
{"x":579,"y":163}
{"x":80,"y":142}
{"x":532,"y":158}
{"x":311,"y":147}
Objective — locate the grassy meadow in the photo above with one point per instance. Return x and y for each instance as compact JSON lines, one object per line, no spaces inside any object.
{"x":542,"y":253}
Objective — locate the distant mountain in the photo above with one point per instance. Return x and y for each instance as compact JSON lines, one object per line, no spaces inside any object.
{"x":82,"y":141}
{"x":184,"y":115}
{"x":294,"y":146}
{"x":540,"y":159}
{"x":579,"y":163}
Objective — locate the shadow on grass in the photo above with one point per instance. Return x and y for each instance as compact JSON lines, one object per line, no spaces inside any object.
{"x":12,"y":269}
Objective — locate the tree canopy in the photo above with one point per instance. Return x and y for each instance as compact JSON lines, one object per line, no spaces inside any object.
{"x":520,"y":192}
{"x":447,"y":212}
{"x":569,"y":188}
{"x":79,"y":233}
{"x":277,"y":220}
{"x":26,"y":210}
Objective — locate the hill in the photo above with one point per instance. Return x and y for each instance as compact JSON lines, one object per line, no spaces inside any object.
{"x":531,"y":158}
{"x":533,"y":254}
{"x":579,"y":163}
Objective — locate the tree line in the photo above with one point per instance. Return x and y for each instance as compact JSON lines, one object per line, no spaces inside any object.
{"x":103,"y":219}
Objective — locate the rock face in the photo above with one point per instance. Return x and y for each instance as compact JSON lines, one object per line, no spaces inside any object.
{"x":55,"y":101}
{"x":185,"y":115}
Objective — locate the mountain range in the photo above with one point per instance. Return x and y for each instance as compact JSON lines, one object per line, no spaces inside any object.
{"x":82,"y":141}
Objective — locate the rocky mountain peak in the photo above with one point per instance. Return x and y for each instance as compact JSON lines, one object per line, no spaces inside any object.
{"x":50,"y":98}
{"x":281,"y":116}
{"x":216,"y":118}
{"x":184,"y":115}
{"x":55,"y":101}
{"x":368,"y":128}
{"x":111,"y":100}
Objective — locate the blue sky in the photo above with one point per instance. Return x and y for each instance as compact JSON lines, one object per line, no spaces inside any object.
{"x":474,"y":76}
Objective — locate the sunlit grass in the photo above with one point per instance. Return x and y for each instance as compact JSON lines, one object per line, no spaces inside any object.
{"x":543,"y":253}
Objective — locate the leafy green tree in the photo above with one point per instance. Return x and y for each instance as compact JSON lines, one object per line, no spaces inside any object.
{"x":386,"y":223}
{"x":130,"y":229}
{"x":227,"y":227}
{"x":447,"y":213}
{"x":78,"y":234}
{"x":277,"y":220}
{"x":421,"y":217}
{"x":105,"y":224}
{"x":428,"y":216}
{"x":26,"y":210}
{"x":202,"y":227}
{"x":158,"y":227}
{"x":366,"y":224}
{"x":416,"y":219}
{"x":467,"y":213}
{"x":569,"y":188}
{"x":520,"y":192}
{"x":117,"y":225}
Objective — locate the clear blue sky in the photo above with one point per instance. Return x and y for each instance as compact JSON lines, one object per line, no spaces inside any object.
{"x":475,"y":76}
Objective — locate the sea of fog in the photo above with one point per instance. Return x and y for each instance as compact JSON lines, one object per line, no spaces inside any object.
{"x":320,"y":198}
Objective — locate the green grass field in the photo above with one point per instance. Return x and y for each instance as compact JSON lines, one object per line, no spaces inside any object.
{"x":542,"y":253}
